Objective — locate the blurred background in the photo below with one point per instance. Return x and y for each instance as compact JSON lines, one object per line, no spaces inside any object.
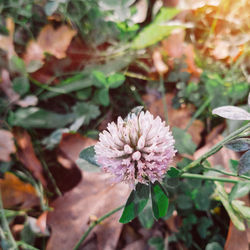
{"x":68,"y":68}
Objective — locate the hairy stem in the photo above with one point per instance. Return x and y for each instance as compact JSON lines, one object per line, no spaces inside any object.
{"x":95,"y":223}
{"x":216,"y":147}
{"x":227,"y":173}
{"x":212,"y":178}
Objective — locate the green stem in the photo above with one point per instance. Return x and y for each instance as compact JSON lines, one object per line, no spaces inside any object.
{"x":216,"y":147}
{"x":212,"y":178}
{"x":198,"y":112}
{"x":137,"y":76}
{"x":95,"y":223}
{"x":46,"y":87}
{"x":5,"y":224}
{"x":164,"y":100}
{"x":226,"y":173}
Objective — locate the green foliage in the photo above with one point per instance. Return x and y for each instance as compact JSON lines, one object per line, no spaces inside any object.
{"x":159,"y":200}
{"x":157,"y":30}
{"x":104,"y":84}
{"x":146,"y":217}
{"x":38,"y":118}
{"x":86,"y":110}
{"x":244,"y":163}
{"x":157,"y":243}
{"x":239,"y":190}
{"x":17,"y":65}
{"x":239,"y":145}
{"x":213,"y":246}
{"x":135,"y":203}
{"x":183,"y":141}
{"x":236,"y":219}
{"x":88,"y":154}
{"x":21,"y":85}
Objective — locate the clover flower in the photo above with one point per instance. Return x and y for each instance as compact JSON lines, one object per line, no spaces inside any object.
{"x":138,"y":149}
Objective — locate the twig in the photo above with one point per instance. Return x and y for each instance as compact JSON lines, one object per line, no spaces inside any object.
{"x":95,"y":223}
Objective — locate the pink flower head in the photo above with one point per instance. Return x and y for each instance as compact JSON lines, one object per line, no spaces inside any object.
{"x":139,"y":149}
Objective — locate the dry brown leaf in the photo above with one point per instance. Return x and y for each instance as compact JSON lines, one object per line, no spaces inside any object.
{"x":26,"y":154}
{"x":7,"y":145}
{"x":236,"y":239}
{"x":178,"y":118}
{"x":6,"y":86}
{"x":70,"y":147}
{"x":49,"y":40}
{"x":173,"y":45}
{"x":176,"y":48}
{"x":15,"y":192}
{"x":139,"y":245}
{"x":94,"y":196}
{"x":42,"y":221}
{"x":6,"y":42}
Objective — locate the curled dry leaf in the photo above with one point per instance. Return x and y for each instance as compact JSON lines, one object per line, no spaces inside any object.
{"x":15,"y":192}
{"x":7,"y":145}
{"x":93,"y":196}
{"x":26,"y":154}
{"x":49,"y":40}
{"x":141,"y":11}
{"x":6,"y":42}
{"x":160,"y":66}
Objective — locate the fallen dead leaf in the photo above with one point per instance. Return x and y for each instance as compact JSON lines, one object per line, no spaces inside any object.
{"x":26,"y":154}
{"x":236,"y":239}
{"x":6,"y":86}
{"x":177,"y":117}
{"x":139,"y":244}
{"x":17,"y":193}
{"x":49,"y":40}
{"x":41,"y":222}
{"x":70,"y":147}
{"x":93,"y":196}
{"x":14,"y":98}
{"x":6,"y":42}
{"x":7,"y":145}
{"x":176,"y":48}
